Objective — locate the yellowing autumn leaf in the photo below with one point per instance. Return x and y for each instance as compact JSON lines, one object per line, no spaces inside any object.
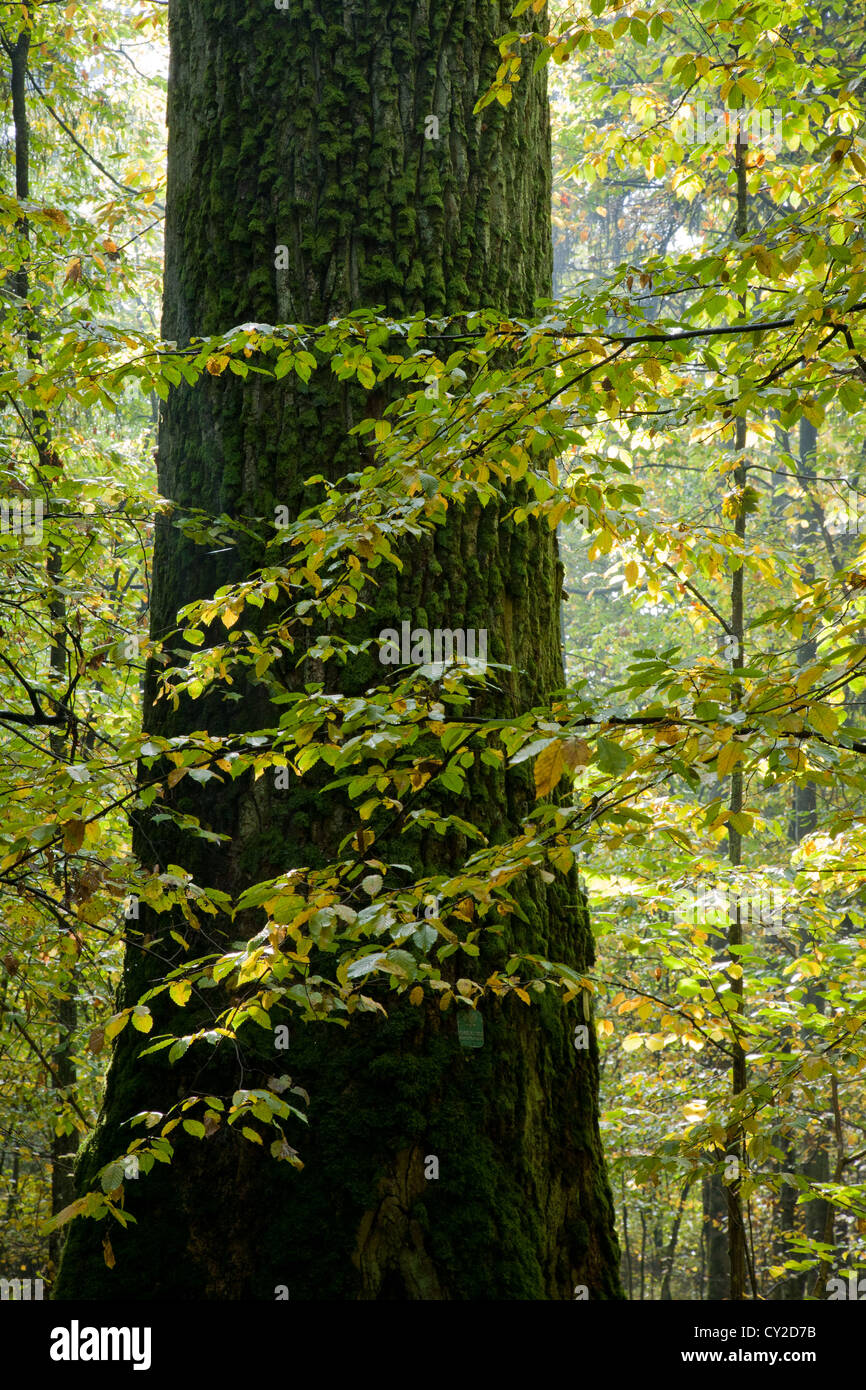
{"x":731,"y":754}
{"x":695,"y":1110}
{"x":73,"y":835}
{"x":809,"y":677}
{"x":548,"y":769}
{"x":824,"y":718}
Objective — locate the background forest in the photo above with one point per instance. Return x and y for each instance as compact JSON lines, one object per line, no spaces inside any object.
{"x":699,"y":380}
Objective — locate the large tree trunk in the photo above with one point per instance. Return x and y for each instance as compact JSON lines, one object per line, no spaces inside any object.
{"x":306,"y":128}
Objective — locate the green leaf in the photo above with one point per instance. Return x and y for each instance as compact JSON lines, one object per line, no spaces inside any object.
{"x":611,"y":758}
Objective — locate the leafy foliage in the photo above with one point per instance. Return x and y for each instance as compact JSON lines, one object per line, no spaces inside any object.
{"x":666,"y":387}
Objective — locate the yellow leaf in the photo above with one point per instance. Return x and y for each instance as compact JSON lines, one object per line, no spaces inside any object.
{"x":824,"y":718}
{"x":557,"y":513}
{"x":417,"y":995}
{"x":521,"y":994}
{"x":548,"y":769}
{"x":812,"y":1068}
{"x":65,"y":1215}
{"x":731,"y":753}
{"x":631,"y":573}
{"x":807,"y":678}
{"x":696,"y":1110}
{"x":562,"y":859}
{"x":632,"y":1042}
{"x":230,"y":615}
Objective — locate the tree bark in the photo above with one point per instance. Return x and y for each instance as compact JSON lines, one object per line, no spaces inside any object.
{"x":305,"y":128}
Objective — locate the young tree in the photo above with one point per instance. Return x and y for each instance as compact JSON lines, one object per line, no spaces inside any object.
{"x":321,"y":160}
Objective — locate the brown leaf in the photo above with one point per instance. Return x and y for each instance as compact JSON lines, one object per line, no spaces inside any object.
{"x":96,"y":1041}
{"x":576,"y":753}
{"x":73,"y":271}
{"x":73,"y":835}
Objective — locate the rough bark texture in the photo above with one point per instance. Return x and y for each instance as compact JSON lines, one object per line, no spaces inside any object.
{"x":305,"y":128}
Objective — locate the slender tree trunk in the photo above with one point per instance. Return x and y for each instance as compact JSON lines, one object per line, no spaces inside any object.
{"x":715,"y":1239}
{"x":63,"y":1071}
{"x":735,"y":1148}
{"x":671,"y":1251}
{"x":642,"y":1255}
{"x":305,"y":128}
{"x":627,"y":1248}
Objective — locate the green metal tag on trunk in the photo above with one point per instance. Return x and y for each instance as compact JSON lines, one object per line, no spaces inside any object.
{"x":470,"y":1028}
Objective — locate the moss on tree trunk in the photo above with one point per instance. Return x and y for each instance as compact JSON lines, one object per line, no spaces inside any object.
{"x":306,"y":128}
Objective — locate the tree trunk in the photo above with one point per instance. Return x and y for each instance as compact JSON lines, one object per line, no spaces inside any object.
{"x":305,"y":128}
{"x":715,"y":1238}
